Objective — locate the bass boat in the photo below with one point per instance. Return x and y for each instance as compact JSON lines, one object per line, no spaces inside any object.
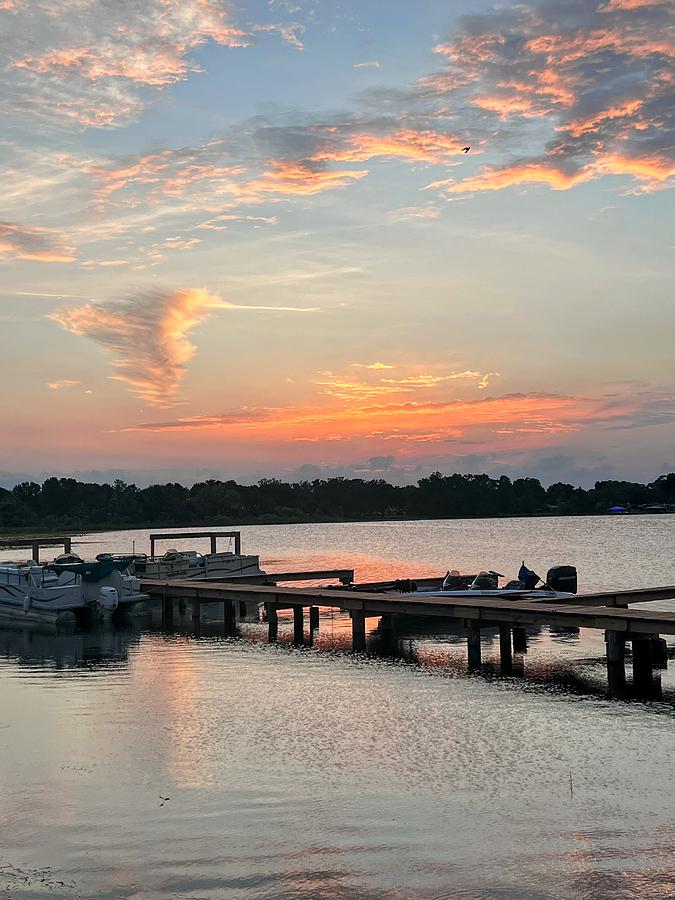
{"x":560,"y":584}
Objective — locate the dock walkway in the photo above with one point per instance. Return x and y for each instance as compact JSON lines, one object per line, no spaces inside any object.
{"x":608,"y":611}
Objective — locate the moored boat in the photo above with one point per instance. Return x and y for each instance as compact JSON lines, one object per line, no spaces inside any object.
{"x":107,"y":583}
{"x":30,"y":593}
{"x":560,"y":584}
{"x":188,"y":564}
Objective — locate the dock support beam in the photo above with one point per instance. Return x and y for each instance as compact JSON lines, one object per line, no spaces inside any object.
{"x":272,"y":622}
{"x":196,"y":609}
{"x":505,"y":654}
{"x":519,"y":639}
{"x":616,"y":669}
{"x":358,"y":631}
{"x":298,"y":625}
{"x":314,"y":618}
{"x":473,"y":645}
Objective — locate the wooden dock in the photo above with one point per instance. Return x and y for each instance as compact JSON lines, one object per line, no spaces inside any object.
{"x":607,"y":611}
{"x":35,"y":543}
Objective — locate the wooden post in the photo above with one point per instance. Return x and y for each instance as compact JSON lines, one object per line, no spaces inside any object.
{"x":505,"y":654}
{"x":196,"y":610}
{"x":167,"y":611}
{"x":358,"y":631}
{"x":298,"y":625}
{"x":643,"y":675}
{"x":35,"y":550}
{"x":272,"y":622}
{"x":67,"y":545}
{"x":616,"y":669}
{"x":387,"y":624}
{"x":659,"y":652}
{"x":313,"y":623}
{"x":519,"y":639}
{"x":229,"y":615}
{"x":473,"y":644}
{"x":213,"y":543}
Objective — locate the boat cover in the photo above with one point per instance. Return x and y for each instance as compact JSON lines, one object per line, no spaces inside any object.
{"x":93,"y":571}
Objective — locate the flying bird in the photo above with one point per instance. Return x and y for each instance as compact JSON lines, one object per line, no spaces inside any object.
{"x":465,"y":149}
{"x":163,"y":799}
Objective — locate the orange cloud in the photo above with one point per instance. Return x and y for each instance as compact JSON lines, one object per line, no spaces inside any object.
{"x":494,"y":179}
{"x":615,"y":5}
{"x":564,"y":49}
{"x":301,"y":179}
{"x":515,"y":420}
{"x":591,"y":123}
{"x":39,"y":244}
{"x":416,"y":146}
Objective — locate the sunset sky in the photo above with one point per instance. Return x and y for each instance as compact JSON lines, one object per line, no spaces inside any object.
{"x":243,"y":239}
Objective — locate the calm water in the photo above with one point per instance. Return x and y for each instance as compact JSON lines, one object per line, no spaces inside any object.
{"x":298,"y":773}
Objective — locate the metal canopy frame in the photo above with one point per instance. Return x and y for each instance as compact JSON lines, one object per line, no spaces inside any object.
{"x":212,"y":535}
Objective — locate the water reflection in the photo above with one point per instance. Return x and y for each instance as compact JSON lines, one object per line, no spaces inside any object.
{"x":96,"y":647}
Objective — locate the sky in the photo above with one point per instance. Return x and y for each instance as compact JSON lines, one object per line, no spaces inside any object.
{"x":247,"y":240}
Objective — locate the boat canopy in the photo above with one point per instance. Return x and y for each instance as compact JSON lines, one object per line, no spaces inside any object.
{"x":93,"y":571}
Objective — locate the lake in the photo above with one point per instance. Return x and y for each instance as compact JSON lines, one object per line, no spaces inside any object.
{"x":142,"y":764}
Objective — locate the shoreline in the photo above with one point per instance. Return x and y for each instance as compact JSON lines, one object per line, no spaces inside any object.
{"x":29,"y":533}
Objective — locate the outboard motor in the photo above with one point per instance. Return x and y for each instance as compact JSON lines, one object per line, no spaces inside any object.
{"x":108,"y":600}
{"x":562,"y":578}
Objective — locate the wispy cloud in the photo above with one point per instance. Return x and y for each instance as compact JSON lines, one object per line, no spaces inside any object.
{"x":367,"y":64}
{"x":92,"y":63}
{"x":289,"y":32}
{"x":148,"y":335}
{"x":374,"y":365}
{"x":39,"y":244}
{"x":63,"y":383}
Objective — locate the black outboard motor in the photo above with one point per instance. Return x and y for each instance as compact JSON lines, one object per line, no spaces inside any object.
{"x":562,"y":578}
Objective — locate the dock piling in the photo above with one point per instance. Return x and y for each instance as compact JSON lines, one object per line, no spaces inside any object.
{"x":358,"y":631}
{"x":505,"y":652}
{"x":314,"y":618}
{"x":616,"y":669}
{"x":473,"y":645}
{"x":229,"y":617}
{"x":659,"y":652}
{"x":167,"y":612}
{"x":643,"y":673}
{"x":298,"y":625}
{"x":196,"y":609}
{"x":519,"y":639}
{"x":272,"y":622}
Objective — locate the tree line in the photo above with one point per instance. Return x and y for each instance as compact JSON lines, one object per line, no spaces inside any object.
{"x":73,"y":505}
